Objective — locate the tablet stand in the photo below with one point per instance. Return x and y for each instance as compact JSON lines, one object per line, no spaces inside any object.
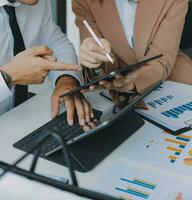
{"x":90,"y":151}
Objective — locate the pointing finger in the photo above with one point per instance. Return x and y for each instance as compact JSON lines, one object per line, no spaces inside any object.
{"x":59,"y":66}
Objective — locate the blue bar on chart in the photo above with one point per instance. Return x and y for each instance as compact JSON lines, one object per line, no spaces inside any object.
{"x":159,"y":88}
{"x":177,"y":111}
{"x":133,"y":186}
{"x":161,"y":101}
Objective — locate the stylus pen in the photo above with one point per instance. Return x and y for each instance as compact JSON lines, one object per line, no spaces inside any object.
{"x":97,"y":39}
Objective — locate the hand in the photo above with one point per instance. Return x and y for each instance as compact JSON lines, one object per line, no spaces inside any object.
{"x":92,"y":55}
{"x":120,"y":83}
{"x":179,"y":197}
{"x":73,"y":103}
{"x":32,"y":66}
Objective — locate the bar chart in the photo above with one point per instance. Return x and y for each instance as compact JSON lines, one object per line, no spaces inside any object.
{"x":136,"y":188}
{"x":176,"y":112}
{"x":161,"y":101}
{"x":177,"y":145}
{"x":128,"y":181}
{"x":159,"y":88}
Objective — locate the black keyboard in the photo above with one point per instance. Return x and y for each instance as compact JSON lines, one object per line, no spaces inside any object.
{"x":59,"y":125}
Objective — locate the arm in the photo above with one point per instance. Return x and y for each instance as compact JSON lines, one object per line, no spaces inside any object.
{"x":52,"y":36}
{"x":88,"y":47}
{"x":166,"y":41}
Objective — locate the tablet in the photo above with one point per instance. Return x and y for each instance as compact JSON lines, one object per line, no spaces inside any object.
{"x":121,"y":71}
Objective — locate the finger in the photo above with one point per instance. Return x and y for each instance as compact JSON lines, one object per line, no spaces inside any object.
{"x":92,"y":125}
{"x":85,"y":90}
{"x":87,"y":58}
{"x":50,"y":58}
{"x":94,"y":47}
{"x":97,"y":122}
{"x":97,"y":56}
{"x":41,"y":51}
{"x":92,"y":113}
{"x":87,"y":110}
{"x":59,"y":66}
{"x":96,"y":87}
{"x":54,"y":105}
{"x":80,"y":111}
{"x":106,"y":84}
{"x":93,"y":87}
{"x":89,"y":65}
{"x":86,"y":128}
{"x":106,"y":44}
{"x":70,"y":106}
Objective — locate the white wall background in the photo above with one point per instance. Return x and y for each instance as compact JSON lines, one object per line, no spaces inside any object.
{"x":72,"y":31}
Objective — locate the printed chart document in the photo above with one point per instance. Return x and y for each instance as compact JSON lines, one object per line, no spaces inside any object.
{"x":170,"y":105}
{"x":156,"y":147}
{"x":129,"y":183}
{"x":154,"y":165}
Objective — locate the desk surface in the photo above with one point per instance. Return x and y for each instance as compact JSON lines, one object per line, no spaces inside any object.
{"x":24,"y":119}
{"x":21,"y":121}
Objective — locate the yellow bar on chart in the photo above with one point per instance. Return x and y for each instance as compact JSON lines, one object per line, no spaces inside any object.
{"x":185,"y":136}
{"x":174,"y":149}
{"x":172,"y":157}
{"x":175,"y":141}
{"x":182,"y":136}
{"x":146,"y":182}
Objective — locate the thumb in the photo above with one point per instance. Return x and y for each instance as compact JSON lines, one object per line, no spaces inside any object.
{"x":54,"y":105}
{"x":59,"y":66}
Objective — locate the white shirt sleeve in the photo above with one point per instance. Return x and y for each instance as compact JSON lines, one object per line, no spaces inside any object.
{"x":5,"y":92}
{"x":52,"y":36}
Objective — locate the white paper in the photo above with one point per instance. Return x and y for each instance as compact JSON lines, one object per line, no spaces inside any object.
{"x":128,"y":183}
{"x":170,"y":105}
{"x":155,"y":147}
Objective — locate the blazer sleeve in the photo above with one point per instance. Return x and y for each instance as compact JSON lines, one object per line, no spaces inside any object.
{"x":165,"y":41}
{"x":82,"y":11}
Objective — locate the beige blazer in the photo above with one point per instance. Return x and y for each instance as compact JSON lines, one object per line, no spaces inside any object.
{"x":158,"y":30}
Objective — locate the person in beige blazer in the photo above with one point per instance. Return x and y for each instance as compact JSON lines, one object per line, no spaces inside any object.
{"x":157,"y":30}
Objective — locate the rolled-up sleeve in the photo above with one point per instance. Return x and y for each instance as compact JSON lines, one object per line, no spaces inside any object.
{"x":52,"y":36}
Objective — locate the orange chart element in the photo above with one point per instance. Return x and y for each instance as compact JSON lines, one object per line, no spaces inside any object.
{"x":188,"y":161}
{"x":190,"y":152}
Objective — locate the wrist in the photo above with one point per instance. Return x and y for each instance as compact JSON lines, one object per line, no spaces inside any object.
{"x":65,"y":79}
{"x":8,"y":69}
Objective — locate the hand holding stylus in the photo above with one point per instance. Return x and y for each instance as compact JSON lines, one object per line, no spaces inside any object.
{"x":95,"y":51}
{"x":97,"y":40}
